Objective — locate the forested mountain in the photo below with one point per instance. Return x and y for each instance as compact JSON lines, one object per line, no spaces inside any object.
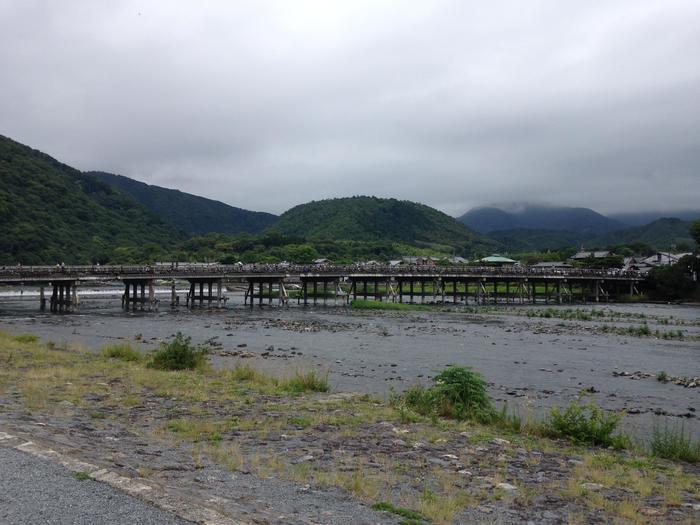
{"x":50,"y":212}
{"x":645,"y":217}
{"x":581,"y":220}
{"x":662,"y":234}
{"x":377,"y":219}
{"x":190,"y":213}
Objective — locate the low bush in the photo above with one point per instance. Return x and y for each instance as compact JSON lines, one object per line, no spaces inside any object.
{"x":673,"y":443}
{"x":458,"y":393}
{"x":586,"y":424}
{"x":179,"y":354}
{"x":123,"y":352}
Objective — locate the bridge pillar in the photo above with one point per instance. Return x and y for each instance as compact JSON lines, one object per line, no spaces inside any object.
{"x":61,"y":290}
{"x":42,"y":298}
{"x":75,"y":301}
{"x":596,"y":284}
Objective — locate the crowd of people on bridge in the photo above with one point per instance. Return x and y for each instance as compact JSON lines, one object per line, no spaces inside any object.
{"x":183,"y":270}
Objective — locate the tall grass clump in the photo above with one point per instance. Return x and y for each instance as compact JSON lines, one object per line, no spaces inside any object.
{"x":673,"y":443}
{"x":457,"y":392}
{"x":585,"y":424}
{"x":311,"y":381}
{"x":123,"y":352}
{"x":179,"y":354}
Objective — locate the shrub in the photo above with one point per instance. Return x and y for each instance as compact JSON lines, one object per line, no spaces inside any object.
{"x":311,"y":381}
{"x":585,"y":424}
{"x":662,"y":377}
{"x":123,"y":352}
{"x":673,"y":443}
{"x":178,"y":354}
{"x":458,"y":392}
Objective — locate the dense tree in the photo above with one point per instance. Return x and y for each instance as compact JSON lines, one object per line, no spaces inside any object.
{"x":695,"y":233}
{"x":675,"y":281}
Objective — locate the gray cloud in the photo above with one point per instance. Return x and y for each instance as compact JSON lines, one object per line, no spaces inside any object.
{"x":265,"y":105}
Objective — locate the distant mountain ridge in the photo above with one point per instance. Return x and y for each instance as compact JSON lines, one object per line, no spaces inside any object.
{"x":661,"y":234}
{"x":190,"y":213}
{"x":379,"y":219}
{"x":642,"y":218}
{"x":581,"y":220}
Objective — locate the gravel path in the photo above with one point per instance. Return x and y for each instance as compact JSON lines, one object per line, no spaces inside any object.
{"x":34,"y":491}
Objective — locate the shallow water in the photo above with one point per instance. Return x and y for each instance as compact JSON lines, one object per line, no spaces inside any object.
{"x":532,"y":363}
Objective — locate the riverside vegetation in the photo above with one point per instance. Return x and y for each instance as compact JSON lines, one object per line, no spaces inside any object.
{"x":431,"y":455}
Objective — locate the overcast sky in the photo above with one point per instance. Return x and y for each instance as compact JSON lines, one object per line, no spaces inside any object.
{"x":264,"y":105}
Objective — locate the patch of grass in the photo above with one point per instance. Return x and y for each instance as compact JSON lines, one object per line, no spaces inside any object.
{"x":662,"y":377}
{"x":198,"y":429}
{"x":385,"y":506}
{"x":586,"y":424}
{"x":300,"y":382}
{"x":673,"y":443}
{"x":359,"y":304}
{"x":442,"y":508}
{"x":81,"y":475}
{"x":26,"y":338}
{"x":178,"y":354}
{"x":124,"y":352}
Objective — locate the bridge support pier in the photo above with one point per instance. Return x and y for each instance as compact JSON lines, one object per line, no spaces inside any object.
{"x":134,"y":295}
{"x":262,"y":288}
{"x":194,"y":295}
{"x":61,"y":299}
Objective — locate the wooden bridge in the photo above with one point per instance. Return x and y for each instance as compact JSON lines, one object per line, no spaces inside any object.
{"x":269,"y":282}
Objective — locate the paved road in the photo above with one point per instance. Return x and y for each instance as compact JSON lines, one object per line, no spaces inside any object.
{"x":34,"y":491}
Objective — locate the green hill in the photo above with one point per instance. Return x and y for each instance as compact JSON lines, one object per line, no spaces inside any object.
{"x":50,"y":212}
{"x":190,"y":213}
{"x":527,"y":240}
{"x":661,"y":234}
{"x":377,"y":219}
{"x":538,"y":217}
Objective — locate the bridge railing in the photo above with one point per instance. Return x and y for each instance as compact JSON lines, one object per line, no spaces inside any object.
{"x":202,"y":269}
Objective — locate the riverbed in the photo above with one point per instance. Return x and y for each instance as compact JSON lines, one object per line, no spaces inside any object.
{"x":533,"y":356}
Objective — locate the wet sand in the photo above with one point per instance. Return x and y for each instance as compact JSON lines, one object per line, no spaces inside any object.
{"x":530,"y":362}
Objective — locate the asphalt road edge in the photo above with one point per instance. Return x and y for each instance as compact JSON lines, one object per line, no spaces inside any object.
{"x":147,"y":492}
